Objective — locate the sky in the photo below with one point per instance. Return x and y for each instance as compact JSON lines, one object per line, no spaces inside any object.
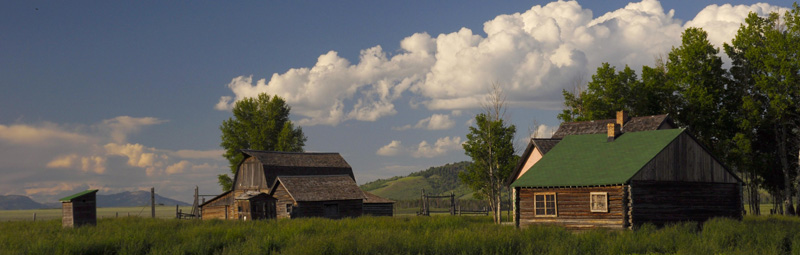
{"x":124,"y":96}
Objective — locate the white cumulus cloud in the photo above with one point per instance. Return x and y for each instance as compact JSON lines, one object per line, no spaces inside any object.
{"x":394,"y":148}
{"x":533,"y":54}
{"x":441,"y":147}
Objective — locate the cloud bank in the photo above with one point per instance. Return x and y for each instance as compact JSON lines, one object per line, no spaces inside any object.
{"x":532,"y":54}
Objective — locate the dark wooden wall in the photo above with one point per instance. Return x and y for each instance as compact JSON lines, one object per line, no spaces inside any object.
{"x":347,"y":208}
{"x":684,"y":160}
{"x":573,"y":208}
{"x":80,"y":211}
{"x":379,"y":209}
{"x":664,"y":202}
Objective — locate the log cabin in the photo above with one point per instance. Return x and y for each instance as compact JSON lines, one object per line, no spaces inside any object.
{"x":622,"y":180}
{"x":538,"y":147}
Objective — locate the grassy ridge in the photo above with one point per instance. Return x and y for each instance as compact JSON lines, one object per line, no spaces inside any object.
{"x":400,"y":235}
{"x":440,"y":180}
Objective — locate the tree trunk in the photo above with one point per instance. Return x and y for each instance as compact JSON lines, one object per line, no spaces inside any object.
{"x":787,"y":182}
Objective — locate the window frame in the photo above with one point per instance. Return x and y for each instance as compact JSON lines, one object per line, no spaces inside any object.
{"x":555,"y":204}
{"x":592,"y":202}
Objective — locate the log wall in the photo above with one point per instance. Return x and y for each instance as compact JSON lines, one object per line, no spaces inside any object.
{"x":573,"y":208}
{"x":665,"y":202}
{"x":283,"y":199}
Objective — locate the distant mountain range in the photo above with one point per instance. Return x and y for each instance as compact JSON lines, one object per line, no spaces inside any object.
{"x":440,"y":180}
{"x":123,"y":199}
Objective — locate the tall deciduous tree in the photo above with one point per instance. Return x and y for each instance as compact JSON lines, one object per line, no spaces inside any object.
{"x":260,"y":123}
{"x":766,"y":68}
{"x":490,"y":144}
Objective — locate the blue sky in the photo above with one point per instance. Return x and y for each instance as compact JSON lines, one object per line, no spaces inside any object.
{"x":125,"y":96}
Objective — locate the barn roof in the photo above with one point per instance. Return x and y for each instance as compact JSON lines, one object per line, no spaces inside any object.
{"x":77,"y":195}
{"x":635,"y":124}
{"x":588,"y":160}
{"x":370,"y":198}
{"x":320,"y":187}
{"x":298,"y":159}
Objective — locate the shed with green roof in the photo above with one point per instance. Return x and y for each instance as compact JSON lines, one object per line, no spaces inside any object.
{"x":79,"y":209}
{"x":622,"y":180}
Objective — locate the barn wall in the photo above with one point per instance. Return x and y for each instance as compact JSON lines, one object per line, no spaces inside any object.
{"x":283,"y":198}
{"x":66,"y":214}
{"x":573,"y":208}
{"x":347,"y":208}
{"x":379,"y":209}
{"x":215,"y":209}
{"x":250,"y":175}
{"x":684,"y":160}
{"x":665,"y":202}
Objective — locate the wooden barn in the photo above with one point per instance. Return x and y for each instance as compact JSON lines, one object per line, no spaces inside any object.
{"x":259,"y":171}
{"x":377,"y":206}
{"x":328,"y":196}
{"x":79,"y":209}
{"x":622,"y":180}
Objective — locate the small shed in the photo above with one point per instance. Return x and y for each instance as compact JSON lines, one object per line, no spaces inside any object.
{"x":377,"y":206}
{"x":79,"y":209}
{"x":220,"y":207}
{"x":254,"y":206}
{"x":328,"y":196}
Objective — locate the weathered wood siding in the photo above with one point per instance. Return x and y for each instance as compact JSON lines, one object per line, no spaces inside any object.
{"x":574,"y":209}
{"x":684,"y":160}
{"x":346,"y":208}
{"x":250,"y":176}
{"x":379,"y":209}
{"x":80,"y":211}
{"x":664,"y":202}
{"x":283,"y":199}
{"x":216,"y":208}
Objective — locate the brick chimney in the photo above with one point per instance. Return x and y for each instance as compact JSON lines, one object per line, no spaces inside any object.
{"x":613,"y":131}
{"x":622,"y":117}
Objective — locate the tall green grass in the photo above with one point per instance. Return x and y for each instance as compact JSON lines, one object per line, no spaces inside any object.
{"x":399,"y":235}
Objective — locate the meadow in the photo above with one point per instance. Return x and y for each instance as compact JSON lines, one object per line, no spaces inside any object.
{"x":163,"y":212}
{"x":393,"y":235}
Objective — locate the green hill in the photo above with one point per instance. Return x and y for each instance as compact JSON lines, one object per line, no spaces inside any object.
{"x":440,"y":180}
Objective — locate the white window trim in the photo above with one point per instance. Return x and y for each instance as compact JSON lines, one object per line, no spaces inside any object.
{"x":591,"y":201}
{"x":555,"y":204}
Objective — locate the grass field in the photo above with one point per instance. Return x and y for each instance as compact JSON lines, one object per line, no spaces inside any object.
{"x":163,"y":212}
{"x":393,"y":235}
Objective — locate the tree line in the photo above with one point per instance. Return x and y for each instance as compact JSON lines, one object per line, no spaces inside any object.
{"x":748,"y":115}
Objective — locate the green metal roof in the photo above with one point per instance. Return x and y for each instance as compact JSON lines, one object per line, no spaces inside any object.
{"x":589,"y":160}
{"x":74,"y":196}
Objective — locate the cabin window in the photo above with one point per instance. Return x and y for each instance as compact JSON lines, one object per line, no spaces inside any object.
{"x":598,"y":201}
{"x":289,"y":208}
{"x":544,"y":204}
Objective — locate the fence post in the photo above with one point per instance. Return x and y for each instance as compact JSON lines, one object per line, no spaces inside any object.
{"x":34,"y":216}
{"x":116,"y":215}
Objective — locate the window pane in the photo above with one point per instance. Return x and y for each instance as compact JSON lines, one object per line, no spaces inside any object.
{"x":539,"y":211}
{"x":551,"y":211}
